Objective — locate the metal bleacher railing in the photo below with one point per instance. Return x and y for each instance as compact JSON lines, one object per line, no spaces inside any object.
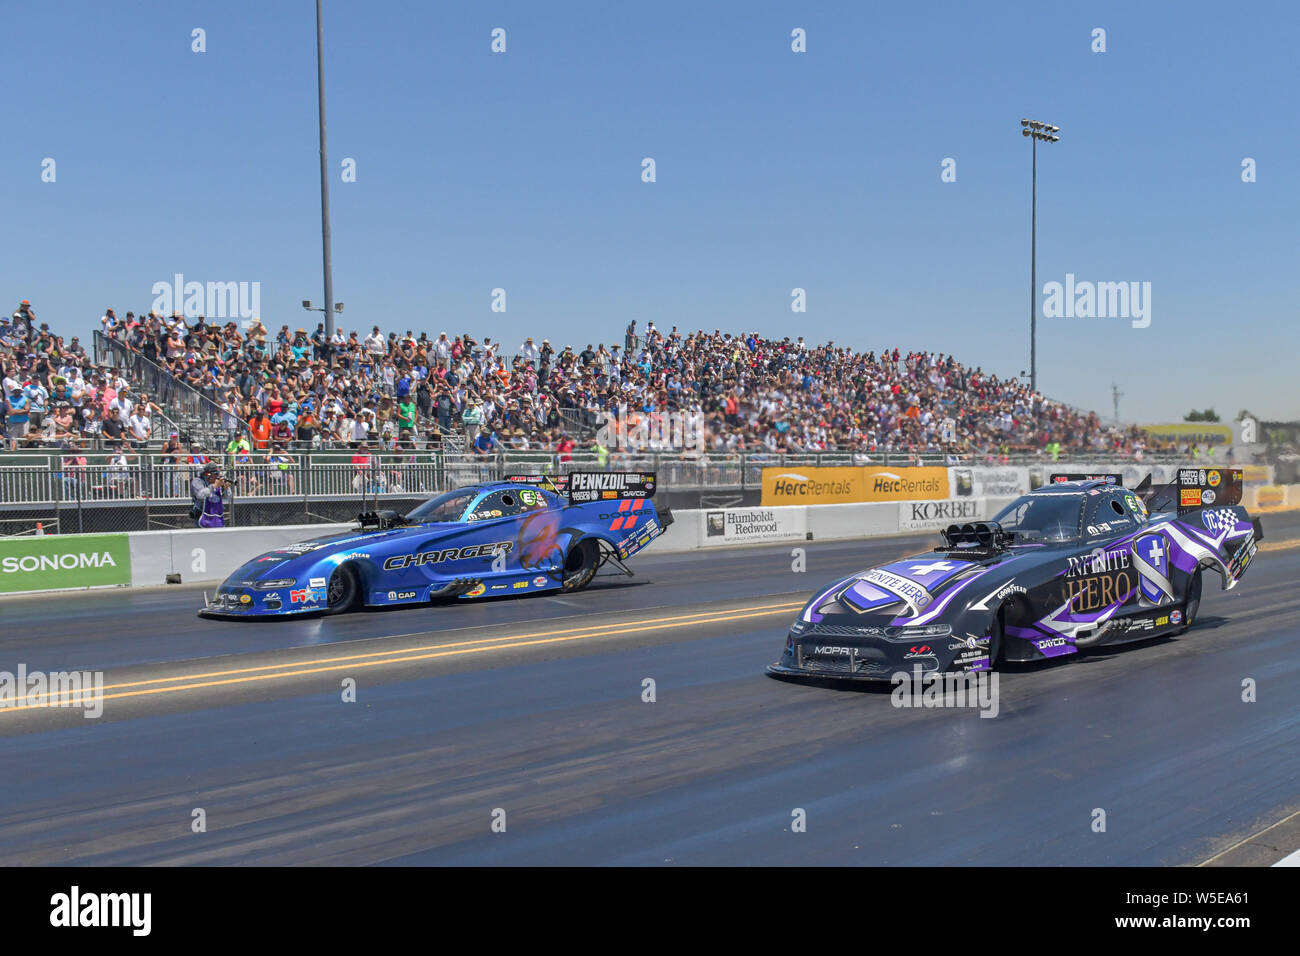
{"x":46,"y":492}
{"x":36,"y":478}
{"x":188,"y":409}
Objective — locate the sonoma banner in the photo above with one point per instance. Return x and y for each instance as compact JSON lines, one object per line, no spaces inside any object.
{"x":51,"y":562}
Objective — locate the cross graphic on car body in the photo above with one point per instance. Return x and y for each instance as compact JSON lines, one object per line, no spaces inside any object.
{"x":924,"y":569}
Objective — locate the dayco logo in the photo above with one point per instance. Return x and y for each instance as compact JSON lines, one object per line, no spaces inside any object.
{"x":792,"y":485}
{"x":67,"y":561}
{"x":448,"y":554}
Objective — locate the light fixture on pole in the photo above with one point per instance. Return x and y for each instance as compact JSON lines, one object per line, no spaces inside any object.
{"x":306,"y":304}
{"x":1046,"y":132}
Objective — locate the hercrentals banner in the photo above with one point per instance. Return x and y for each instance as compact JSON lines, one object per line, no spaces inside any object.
{"x":56,"y":561}
{"x":847,"y":485}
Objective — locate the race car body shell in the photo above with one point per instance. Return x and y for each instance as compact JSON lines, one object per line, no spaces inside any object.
{"x":487,"y":552}
{"x":1122,"y":575}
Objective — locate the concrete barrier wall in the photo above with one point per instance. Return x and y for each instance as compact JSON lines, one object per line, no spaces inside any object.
{"x":209,"y":556}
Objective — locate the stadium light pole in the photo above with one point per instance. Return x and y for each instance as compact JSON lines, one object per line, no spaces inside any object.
{"x":1048,"y":134}
{"x":324,"y":176}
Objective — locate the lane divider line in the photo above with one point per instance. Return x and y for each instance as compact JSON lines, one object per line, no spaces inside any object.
{"x":682,"y":618}
{"x":195,"y":681}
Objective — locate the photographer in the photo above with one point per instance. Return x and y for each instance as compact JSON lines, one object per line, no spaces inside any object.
{"x":208,"y":492}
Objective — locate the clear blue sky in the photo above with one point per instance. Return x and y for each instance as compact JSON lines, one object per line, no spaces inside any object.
{"x":775,"y":170}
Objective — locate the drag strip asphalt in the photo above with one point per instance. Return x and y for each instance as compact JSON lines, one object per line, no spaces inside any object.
{"x":538,"y":712}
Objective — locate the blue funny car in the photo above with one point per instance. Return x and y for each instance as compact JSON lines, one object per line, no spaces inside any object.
{"x":526,"y":534}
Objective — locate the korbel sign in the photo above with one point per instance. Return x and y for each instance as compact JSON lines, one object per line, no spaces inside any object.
{"x":933,"y":515}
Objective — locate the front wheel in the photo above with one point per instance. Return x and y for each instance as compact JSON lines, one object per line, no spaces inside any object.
{"x":1192,"y":605}
{"x":342,"y":591}
{"x":580,"y":564}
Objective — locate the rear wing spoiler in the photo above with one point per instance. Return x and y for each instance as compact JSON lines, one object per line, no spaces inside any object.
{"x":588,"y":486}
{"x":1194,"y":488}
{"x":1110,"y":479}
{"x":555,"y":483}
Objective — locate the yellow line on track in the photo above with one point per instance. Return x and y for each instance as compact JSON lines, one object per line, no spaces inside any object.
{"x":1285,"y":545}
{"x":453,"y":649}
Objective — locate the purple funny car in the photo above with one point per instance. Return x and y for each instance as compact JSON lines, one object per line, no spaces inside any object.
{"x":1078,"y":563}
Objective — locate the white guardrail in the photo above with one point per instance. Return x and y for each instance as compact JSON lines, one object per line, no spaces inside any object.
{"x":210,"y":555}
{"x":192,"y":556}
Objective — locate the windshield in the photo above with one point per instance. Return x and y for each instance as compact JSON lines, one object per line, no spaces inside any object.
{"x":1043,"y":517}
{"x":448,"y":506}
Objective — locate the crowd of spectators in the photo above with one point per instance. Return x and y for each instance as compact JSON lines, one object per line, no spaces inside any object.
{"x":295,"y":389}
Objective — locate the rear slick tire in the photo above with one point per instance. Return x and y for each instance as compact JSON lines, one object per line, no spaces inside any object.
{"x":580,"y":565}
{"x":1192,"y":605}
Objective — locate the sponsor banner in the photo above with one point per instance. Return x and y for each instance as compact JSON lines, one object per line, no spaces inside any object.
{"x":1131,"y":475}
{"x":1256,"y":474}
{"x":744,"y":525}
{"x":798,"y":485}
{"x":1007,"y":481}
{"x":1110,"y":477}
{"x":1270,"y":497}
{"x":51,"y":562}
{"x":1202,"y":433}
{"x":935,"y":515}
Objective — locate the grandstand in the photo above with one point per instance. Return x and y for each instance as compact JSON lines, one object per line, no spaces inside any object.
{"x":208,"y":381}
